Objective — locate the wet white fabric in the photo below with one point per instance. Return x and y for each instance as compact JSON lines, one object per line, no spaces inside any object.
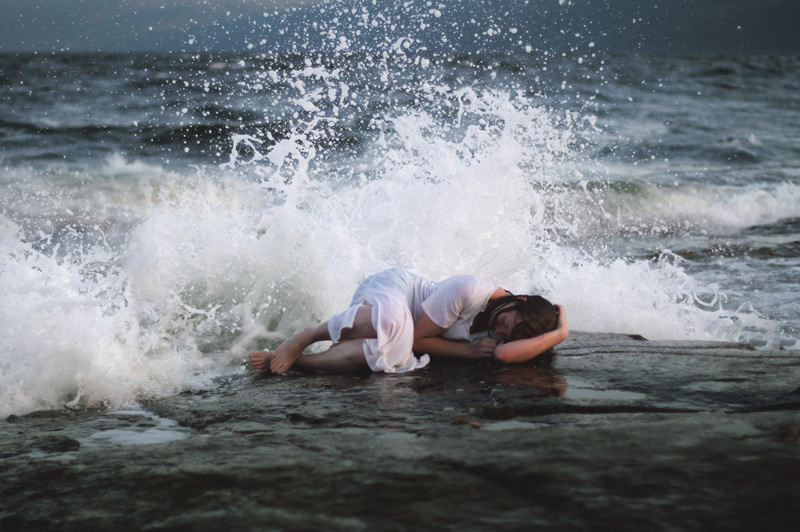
{"x":455,"y":302}
{"x":398,"y":298}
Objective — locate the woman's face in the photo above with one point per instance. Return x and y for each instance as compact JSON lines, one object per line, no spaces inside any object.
{"x":505,"y":323}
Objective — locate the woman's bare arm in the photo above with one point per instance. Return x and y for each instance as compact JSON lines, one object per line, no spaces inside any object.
{"x":427,"y":340}
{"x":524,"y":350}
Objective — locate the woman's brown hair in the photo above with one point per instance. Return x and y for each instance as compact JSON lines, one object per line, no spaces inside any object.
{"x":535,"y":315}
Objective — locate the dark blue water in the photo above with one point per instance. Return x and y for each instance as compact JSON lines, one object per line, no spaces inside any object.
{"x":162,"y":214}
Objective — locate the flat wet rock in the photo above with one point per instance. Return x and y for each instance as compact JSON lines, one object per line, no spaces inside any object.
{"x":613,"y":433}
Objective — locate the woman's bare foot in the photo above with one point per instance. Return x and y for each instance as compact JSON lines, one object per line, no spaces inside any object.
{"x":260,"y":360}
{"x":279,"y":361}
{"x":285,"y":356}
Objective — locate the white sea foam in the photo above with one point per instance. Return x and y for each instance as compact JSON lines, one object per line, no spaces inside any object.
{"x":631,"y":206}
{"x":217,"y":261}
{"x":156,"y":430}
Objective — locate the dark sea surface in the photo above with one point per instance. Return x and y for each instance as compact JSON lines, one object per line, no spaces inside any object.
{"x":161,"y":215}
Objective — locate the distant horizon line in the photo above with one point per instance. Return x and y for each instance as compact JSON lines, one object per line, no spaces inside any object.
{"x":642,"y":51}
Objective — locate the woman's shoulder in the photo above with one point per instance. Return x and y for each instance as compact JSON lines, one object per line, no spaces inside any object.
{"x":466,"y":285}
{"x":459,"y":281}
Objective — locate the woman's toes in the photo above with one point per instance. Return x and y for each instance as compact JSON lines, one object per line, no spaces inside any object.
{"x":258,"y":359}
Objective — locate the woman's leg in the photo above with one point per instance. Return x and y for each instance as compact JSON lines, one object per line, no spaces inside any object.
{"x":289,"y":351}
{"x":362,"y":325}
{"x":342,"y":357}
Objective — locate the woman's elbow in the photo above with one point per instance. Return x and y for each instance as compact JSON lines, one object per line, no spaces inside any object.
{"x":506,"y":356}
{"x":503,"y":359}
{"x":517,"y":358}
{"x":421,"y":344}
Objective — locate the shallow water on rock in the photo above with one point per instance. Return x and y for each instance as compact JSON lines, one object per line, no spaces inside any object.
{"x":612,"y":433}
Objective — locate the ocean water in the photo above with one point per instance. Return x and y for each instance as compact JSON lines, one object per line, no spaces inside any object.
{"x":163,"y":214}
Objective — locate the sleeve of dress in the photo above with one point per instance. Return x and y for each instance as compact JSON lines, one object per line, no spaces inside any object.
{"x":446,"y":303}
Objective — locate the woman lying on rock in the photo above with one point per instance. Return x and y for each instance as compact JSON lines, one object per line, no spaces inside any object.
{"x":396,"y":313}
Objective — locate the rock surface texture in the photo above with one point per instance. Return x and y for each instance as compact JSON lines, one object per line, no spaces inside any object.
{"x":612,"y":433}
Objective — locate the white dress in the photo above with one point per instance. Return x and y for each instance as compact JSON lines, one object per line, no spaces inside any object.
{"x":398,"y":298}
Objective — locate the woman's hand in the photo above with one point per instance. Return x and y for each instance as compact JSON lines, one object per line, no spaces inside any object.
{"x":427,"y":339}
{"x":562,"y":321}
{"x":484,"y":348}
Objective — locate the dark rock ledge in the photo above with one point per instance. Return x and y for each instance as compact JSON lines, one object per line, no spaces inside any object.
{"x":613,"y":433}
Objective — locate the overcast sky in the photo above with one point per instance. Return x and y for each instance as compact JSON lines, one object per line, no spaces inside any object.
{"x":258,"y":25}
